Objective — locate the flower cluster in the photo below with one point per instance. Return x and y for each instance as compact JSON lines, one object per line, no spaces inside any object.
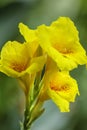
{"x":42,"y":63}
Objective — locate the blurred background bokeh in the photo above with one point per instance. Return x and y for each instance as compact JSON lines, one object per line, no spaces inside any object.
{"x":34,"y":13}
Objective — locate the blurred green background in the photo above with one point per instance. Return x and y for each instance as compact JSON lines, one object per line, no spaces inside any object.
{"x":34,"y":13}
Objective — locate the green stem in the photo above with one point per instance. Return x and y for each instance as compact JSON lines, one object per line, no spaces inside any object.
{"x":26,"y":120}
{"x":26,"y":125}
{"x":33,"y":108}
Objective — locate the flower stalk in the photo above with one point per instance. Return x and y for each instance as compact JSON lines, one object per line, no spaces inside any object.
{"x":26,"y":125}
{"x":33,"y":105}
{"x":27,"y":115}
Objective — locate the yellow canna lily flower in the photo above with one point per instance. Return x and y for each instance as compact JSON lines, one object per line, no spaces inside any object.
{"x":61,"y":88}
{"x":60,"y":41}
{"x":15,"y":60}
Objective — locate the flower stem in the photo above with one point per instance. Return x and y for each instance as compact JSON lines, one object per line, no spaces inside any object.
{"x":26,"y":124}
{"x":26,"y":120}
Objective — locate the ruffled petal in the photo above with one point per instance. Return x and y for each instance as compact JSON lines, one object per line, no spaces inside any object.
{"x":30,"y":37}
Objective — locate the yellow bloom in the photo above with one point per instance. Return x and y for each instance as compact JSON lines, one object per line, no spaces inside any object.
{"x":16,"y":60}
{"x":61,"y":42}
{"x":61,"y":88}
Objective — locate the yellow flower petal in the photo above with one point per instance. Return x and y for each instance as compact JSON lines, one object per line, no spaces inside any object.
{"x":61,"y":88}
{"x":28,"y":34}
{"x":63,"y":63}
{"x":60,"y":102}
{"x":30,"y":37}
{"x":61,"y":42}
{"x":36,"y":64}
